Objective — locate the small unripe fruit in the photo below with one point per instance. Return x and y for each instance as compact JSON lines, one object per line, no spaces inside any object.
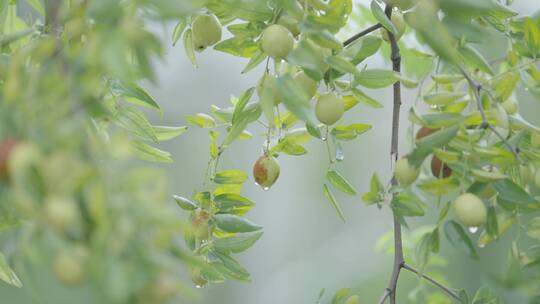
{"x":399,"y":24}
{"x":440,"y":169}
{"x":206,"y":31}
{"x":61,"y":214}
{"x":329,"y":108}
{"x":405,"y":173}
{"x":277,"y":42}
{"x":268,"y":82}
{"x":535,"y":139}
{"x":6,"y":147}
{"x":470,"y":210}
{"x":511,"y":106}
{"x":425,"y":131}
{"x":290,"y":23}
{"x":69,"y":266}
{"x":197,"y":278}
{"x":309,"y":85}
{"x":199,"y":222}
{"x":266,"y":171}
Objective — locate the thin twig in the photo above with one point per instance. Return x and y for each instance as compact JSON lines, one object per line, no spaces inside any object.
{"x":362,"y":34}
{"x":432,"y":281}
{"x":384,"y":296}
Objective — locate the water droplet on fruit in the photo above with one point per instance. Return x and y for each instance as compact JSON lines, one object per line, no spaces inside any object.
{"x":266,"y":188}
{"x":473,"y":229}
{"x":323,"y":138}
{"x":199,"y":286}
{"x":339,"y":155}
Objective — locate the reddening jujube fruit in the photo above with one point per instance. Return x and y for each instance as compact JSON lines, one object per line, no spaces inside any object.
{"x":266,"y":171}
{"x":406,"y":173}
{"x":309,"y":85}
{"x":277,"y":42}
{"x":200,"y":224}
{"x":399,"y":24}
{"x":6,"y":148}
{"x":425,"y":131}
{"x":440,"y":169}
{"x":470,"y":210}
{"x":268,"y":82}
{"x":206,"y":31}
{"x":329,"y":108}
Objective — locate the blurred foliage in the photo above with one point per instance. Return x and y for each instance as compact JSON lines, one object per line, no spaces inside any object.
{"x":73,"y":129}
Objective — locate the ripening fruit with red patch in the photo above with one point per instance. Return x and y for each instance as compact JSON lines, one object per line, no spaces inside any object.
{"x":406,"y":173}
{"x":266,"y":171}
{"x":329,"y":108}
{"x":511,"y":106}
{"x":277,"y":42}
{"x":309,"y":85}
{"x":440,"y":169}
{"x":399,"y":24}
{"x":268,"y":83}
{"x":470,"y":210}
{"x":70,"y":266}
{"x":425,"y":131}
{"x":206,"y":31}
{"x":62,"y":214}
{"x":6,"y":148}
{"x":200,"y":224}
{"x":197,"y":278}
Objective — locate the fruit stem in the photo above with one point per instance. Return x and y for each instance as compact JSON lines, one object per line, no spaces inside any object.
{"x":362,"y":34}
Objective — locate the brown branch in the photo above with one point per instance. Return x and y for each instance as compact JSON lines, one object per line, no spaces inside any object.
{"x":362,"y":34}
{"x":485,"y":123}
{"x":432,"y":281}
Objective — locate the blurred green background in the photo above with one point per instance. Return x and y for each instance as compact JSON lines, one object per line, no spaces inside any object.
{"x":305,"y":246}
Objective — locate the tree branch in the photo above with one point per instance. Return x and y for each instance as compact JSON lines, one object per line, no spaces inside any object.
{"x":485,"y":123}
{"x":362,"y":34}
{"x":432,"y":281}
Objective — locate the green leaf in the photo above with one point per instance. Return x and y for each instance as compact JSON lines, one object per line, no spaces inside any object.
{"x":492,"y":225}
{"x":376,"y":78}
{"x":7,"y":274}
{"x":407,"y":205}
{"x":235,"y":224}
{"x":364,"y":98}
{"x":230,"y":177}
{"x":229,"y":266}
{"x":201,"y":120}
{"x":512,"y":193}
{"x":135,"y":122}
{"x":307,"y":56}
{"x":447,"y":78}
{"x":258,"y":57}
{"x":233,"y":203}
{"x":37,"y":6}
{"x":184,"y":203}
{"x":376,"y":193}
{"x":340,"y":182}
{"x":442,"y":98}
{"x":333,"y":202}
{"x":463,"y":297}
{"x":457,"y":236}
{"x":164,"y":133}
{"x":241,"y":104}
{"x":214,"y":149}
{"x":487,"y":176}
{"x":238,"y":46}
{"x":425,"y":146}
{"x":134,"y":94}
{"x":340,"y":295}
{"x":474,"y":59}
{"x":379,"y":14}
{"x":341,"y":64}
{"x":249,"y":115}
{"x":149,"y":153}
{"x":188,"y":46}
{"x":350,"y":132}
{"x":237,"y":243}
{"x":295,"y":98}
{"x":533,"y":228}
{"x":178,"y":31}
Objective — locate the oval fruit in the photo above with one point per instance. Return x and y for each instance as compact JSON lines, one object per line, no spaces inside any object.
{"x":268,"y":82}
{"x":399,"y":23}
{"x":266,"y":171}
{"x":69,"y":266}
{"x":277,"y":42}
{"x":440,"y":169}
{"x":206,"y":31}
{"x":511,"y":106}
{"x":61,"y":214}
{"x":405,"y":173}
{"x":470,"y":210}
{"x":309,"y":85}
{"x":329,"y":108}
